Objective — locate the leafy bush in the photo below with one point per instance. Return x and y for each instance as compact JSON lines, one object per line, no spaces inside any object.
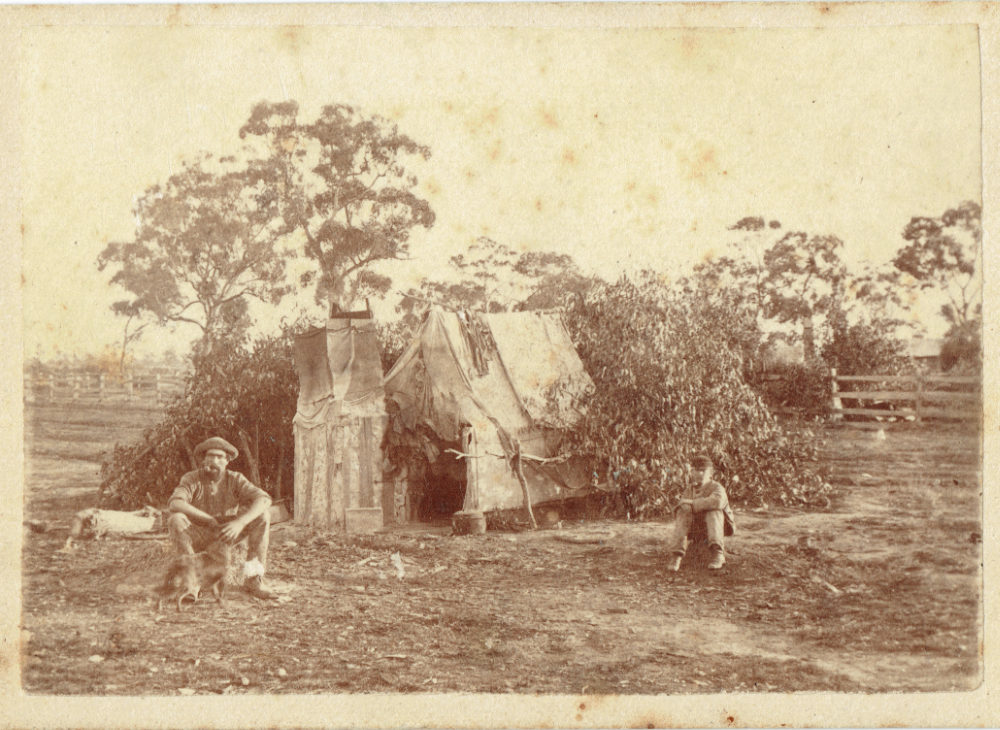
{"x":795,"y":385}
{"x":668,"y":387}
{"x":962,"y":350}
{"x":864,"y":348}
{"x":246,"y":395}
{"x":393,"y":339}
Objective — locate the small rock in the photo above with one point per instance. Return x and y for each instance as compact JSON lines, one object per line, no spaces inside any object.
{"x":244,"y":681}
{"x":291,"y":544}
{"x":282,"y":672}
{"x":96,"y":658}
{"x":186,"y":691}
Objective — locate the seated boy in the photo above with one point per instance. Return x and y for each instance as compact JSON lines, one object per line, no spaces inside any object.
{"x":703,"y":508}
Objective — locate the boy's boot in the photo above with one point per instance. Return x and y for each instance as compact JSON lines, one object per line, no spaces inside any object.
{"x":675,"y":563}
{"x":718,"y":558}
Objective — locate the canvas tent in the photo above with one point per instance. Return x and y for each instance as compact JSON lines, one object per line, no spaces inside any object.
{"x":473,"y":384}
{"x":339,"y":424}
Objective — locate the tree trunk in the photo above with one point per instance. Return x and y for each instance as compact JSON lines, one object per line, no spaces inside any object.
{"x":278,"y":489}
{"x":188,"y":449}
{"x":256,"y":444}
{"x":251,"y":458}
{"x":808,"y":339}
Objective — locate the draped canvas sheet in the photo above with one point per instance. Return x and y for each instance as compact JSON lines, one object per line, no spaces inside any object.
{"x":339,"y":422}
{"x":541,"y":363}
{"x":455,"y":374}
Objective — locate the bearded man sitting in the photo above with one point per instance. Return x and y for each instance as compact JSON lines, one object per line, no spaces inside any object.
{"x":213,"y":502}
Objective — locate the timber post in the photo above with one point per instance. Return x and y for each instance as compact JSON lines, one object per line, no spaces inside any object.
{"x":834,"y":397}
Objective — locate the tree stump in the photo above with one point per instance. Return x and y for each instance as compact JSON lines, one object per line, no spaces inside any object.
{"x":468,"y":523}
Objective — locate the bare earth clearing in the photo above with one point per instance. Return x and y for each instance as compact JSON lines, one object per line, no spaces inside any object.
{"x":879,"y":593}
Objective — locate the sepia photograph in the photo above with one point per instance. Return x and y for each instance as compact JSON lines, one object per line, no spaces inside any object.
{"x":498,"y":365}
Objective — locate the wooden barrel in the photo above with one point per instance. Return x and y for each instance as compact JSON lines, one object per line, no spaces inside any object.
{"x":468,"y":523}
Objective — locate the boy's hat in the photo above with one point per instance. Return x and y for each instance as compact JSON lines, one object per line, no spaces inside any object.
{"x":701,"y":461}
{"x":216,"y":443}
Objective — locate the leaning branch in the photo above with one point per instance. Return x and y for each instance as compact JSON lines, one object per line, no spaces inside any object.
{"x":526,"y":457}
{"x":516,"y":463}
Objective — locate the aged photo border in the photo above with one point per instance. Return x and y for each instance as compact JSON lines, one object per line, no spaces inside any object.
{"x":975,"y":708}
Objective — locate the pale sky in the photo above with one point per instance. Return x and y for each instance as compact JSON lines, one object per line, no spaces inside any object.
{"x":628,"y":148}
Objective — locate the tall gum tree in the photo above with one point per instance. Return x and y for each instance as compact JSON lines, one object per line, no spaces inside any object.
{"x":942,"y":255}
{"x":346,"y":188}
{"x":789,"y":277}
{"x":803,"y":275}
{"x":206,"y":241}
{"x":491,"y":277}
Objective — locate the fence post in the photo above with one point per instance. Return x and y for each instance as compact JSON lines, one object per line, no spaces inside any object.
{"x":837,"y":403}
{"x":129,"y":386}
{"x":76,"y":386}
{"x":916,"y":398}
{"x":100,"y":387}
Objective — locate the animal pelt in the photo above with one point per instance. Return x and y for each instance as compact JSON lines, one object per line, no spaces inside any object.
{"x":188,"y":574}
{"x":95,"y":523}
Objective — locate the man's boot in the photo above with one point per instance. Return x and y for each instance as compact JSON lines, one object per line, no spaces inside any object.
{"x":255,"y":587}
{"x":675,"y":563}
{"x":718,"y":558}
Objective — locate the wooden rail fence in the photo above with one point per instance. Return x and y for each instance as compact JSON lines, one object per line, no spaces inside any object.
{"x":93,"y":387}
{"x":925,"y":396}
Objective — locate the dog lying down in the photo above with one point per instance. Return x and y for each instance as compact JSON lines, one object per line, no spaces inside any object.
{"x":95,"y":523}
{"x":188,"y":574}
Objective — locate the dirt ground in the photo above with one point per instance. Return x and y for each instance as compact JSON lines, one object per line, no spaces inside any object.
{"x":880,"y":592}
